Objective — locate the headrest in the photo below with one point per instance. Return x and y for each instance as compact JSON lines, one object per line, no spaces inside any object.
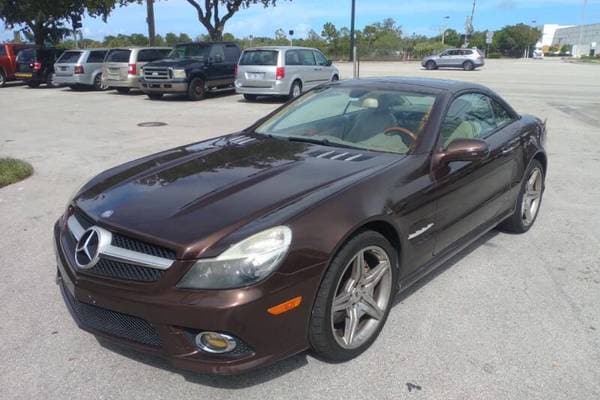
{"x":370,"y":102}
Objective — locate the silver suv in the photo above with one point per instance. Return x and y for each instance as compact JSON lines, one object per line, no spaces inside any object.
{"x":282,"y":71}
{"x":122,"y":67}
{"x":80,"y":68}
{"x":467,"y":59}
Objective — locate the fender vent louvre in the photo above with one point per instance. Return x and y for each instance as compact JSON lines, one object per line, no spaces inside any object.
{"x":240,"y":140}
{"x":339,"y":155}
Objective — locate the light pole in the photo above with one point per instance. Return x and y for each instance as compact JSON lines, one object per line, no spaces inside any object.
{"x":352,"y":38}
{"x":445,"y":27}
{"x":580,"y":44}
{"x":150,"y":20}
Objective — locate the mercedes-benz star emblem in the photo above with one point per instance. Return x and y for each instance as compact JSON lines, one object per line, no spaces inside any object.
{"x":87,"y":251}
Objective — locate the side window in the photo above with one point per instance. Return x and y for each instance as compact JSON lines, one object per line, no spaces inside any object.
{"x":307,"y":57}
{"x":292,"y":57}
{"x":217,"y":53}
{"x":321,"y":60}
{"x":232,"y":54}
{"x":145,"y":55}
{"x":96,"y":57}
{"x":501,"y":115}
{"x":470,"y":116}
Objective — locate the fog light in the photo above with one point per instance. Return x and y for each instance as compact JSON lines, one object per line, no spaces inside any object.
{"x":216,"y":343}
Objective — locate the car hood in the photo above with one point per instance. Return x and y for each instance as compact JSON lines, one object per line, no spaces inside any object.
{"x":173,"y":63}
{"x":190,"y":197}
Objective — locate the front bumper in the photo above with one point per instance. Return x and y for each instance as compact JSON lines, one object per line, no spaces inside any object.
{"x":166,"y":318}
{"x":163,"y":86}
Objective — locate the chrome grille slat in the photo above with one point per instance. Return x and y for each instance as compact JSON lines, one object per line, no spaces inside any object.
{"x":156,"y":74}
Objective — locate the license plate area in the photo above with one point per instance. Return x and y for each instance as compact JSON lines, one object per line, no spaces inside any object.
{"x":255,"y":76}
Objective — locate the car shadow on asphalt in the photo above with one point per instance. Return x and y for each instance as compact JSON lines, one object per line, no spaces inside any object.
{"x":413,"y":288}
{"x":283,"y":367}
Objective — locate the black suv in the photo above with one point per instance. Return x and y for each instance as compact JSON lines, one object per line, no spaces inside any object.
{"x":36,"y":66}
{"x":193,"y":69}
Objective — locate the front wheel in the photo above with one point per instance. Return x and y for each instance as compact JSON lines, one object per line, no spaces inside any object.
{"x":430,"y":65}
{"x":197,"y":89}
{"x":355,"y":298}
{"x":528,"y":202}
{"x":335,"y":78}
{"x":468,"y":66}
{"x":98,"y":85}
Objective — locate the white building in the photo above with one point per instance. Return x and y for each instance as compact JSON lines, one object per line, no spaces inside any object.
{"x":585,"y":39}
{"x":548,"y":33}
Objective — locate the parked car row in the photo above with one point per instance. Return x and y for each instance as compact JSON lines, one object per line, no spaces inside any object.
{"x":191,"y":69}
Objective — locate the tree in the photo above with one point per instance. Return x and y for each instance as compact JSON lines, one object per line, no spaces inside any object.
{"x":512,"y":40}
{"x":209,"y":13}
{"x":44,"y":21}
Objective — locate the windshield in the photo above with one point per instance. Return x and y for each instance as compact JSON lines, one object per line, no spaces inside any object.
{"x":191,"y":50}
{"x":371,"y":119}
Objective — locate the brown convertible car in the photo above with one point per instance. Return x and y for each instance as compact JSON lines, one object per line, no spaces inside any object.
{"x":296,"y":233}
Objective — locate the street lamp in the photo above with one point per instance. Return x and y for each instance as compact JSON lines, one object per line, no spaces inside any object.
{"x":445,"y":27}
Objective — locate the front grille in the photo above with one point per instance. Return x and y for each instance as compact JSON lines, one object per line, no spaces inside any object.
{"x":156,"y":74}
{"x":124,"y":271}
{"x":116,"y":269}
{"x":141,"y":247}
{"x":113,"y":323}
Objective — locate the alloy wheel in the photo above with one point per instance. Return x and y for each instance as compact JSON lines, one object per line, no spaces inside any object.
{"x":532,"y":196}
{"x":362,"y":297}
{"x":297,"y":91}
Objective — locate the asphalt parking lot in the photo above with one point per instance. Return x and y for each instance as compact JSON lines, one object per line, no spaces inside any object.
{"x":514,"y":317}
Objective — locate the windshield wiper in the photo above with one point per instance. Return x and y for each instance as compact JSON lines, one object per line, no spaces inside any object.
{"x":322,"y":142}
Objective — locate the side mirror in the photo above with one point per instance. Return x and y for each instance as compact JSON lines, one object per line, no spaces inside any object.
{"x":464,"y":150}
{"x":328,"y":63}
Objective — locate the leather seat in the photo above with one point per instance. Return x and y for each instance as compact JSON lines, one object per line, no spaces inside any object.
{"x":372,"y":121}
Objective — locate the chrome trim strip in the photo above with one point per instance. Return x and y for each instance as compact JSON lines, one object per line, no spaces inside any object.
{"x":75,"y":227}
{"x":419,"y":232}
{"x":353,"y":157}
{"x":248,"y":140}
{"x":339,"y":156}
{"x":119,"y":253}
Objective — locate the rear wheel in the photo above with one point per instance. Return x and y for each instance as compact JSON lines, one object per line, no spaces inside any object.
{"x":250,"y":97}
{"x":155,"y":96}
{"x":355,"y":298}
{"x":98,"y":83}
{"x":528,"y":202}
{"x":33,"y":84}
{"x":2,"y":78}
{"x":197,"y":89}
{"x":49,"y":82}
{"x":468,"y":66}
{"x":295,"y":90}
{"x":429,"y":65}
{"x":123,"y":90}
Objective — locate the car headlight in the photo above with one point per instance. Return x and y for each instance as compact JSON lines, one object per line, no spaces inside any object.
{"x":179,"y":73}
{"x":245,"y":263}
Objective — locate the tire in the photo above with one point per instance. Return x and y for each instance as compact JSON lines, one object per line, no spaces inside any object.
{"x":196,"y":89}
{"x":33,"y":84}
{"x":250,"y":97}
{"x":468,"y":66}
{"x":327,"y":333}
{"x":430,"y":65}
{"x":49,"y":81}
{"x":2,"y":79}
{"x":123,"y":90}
{"x":154,"y":96}
{"x":335,"y":78}
{"x":295,"y":90}
{"x":98,"y":83}
{"x":529,"y":200}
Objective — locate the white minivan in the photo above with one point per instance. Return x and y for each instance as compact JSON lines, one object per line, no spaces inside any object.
{"x":282,"y":71}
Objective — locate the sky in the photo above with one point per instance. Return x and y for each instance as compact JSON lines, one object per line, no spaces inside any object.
{"x":419,"y":17}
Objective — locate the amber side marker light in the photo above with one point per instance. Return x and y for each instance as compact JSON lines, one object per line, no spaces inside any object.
{"x":285,"y":306}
